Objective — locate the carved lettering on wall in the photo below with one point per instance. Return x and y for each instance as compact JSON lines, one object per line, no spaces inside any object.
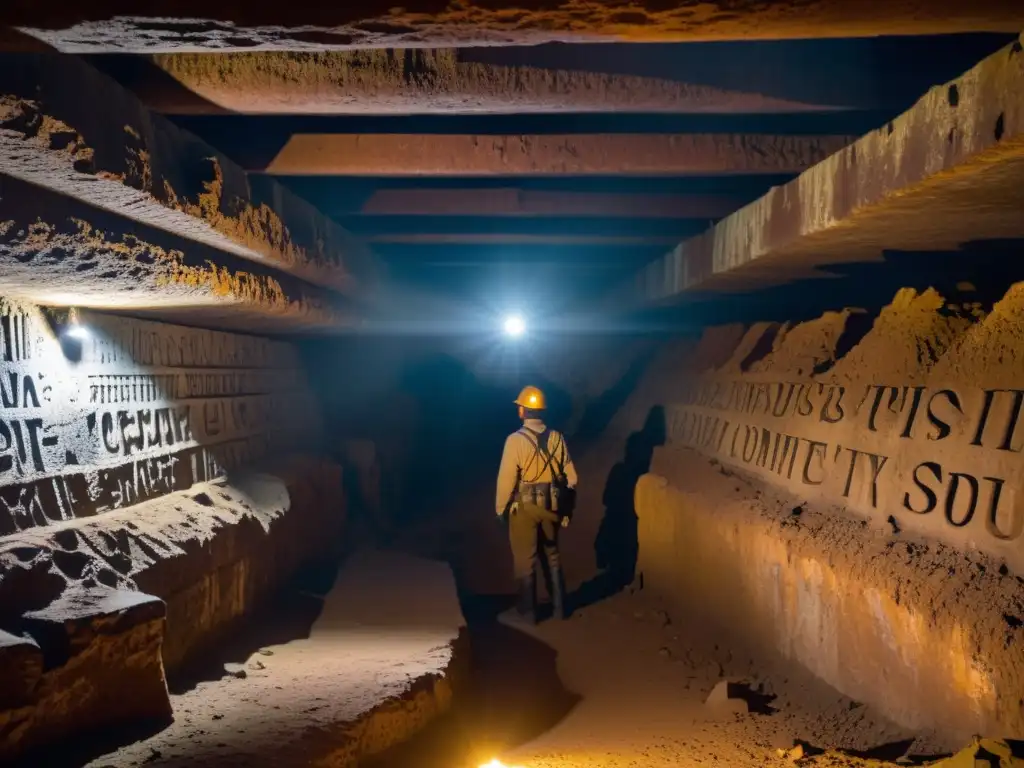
{"x":951,"y":454}
{"x":146,"y":410}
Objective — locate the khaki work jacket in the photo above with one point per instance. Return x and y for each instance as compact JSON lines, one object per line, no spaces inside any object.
{"x":522,"y":462}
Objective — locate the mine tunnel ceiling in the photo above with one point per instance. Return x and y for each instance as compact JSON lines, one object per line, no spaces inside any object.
{"x":471,"y":170}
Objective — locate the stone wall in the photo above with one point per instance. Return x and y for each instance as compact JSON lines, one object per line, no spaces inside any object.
{"x":900,"y":437}
{"x":157,"y":483}
{"x":135,"y":410}
{"x":919,"y":421}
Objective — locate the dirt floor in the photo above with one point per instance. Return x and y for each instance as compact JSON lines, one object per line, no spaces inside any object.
{"x":316,"y":682}
{"x":621,"y":684}
{"x":624,"y":684}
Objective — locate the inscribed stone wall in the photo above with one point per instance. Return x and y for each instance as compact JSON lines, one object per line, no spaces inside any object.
{"x":906,"y":427}
{"x":134,"y":410}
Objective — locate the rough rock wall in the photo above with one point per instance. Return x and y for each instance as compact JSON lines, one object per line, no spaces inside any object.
{"x":132,"y":528}
{"x":135,"y":410}
{"x":912,"y":418}
{"x":95,"y":610}
{"x":866,"y":515}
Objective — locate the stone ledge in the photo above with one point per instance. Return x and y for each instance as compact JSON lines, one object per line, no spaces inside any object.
{"x":383,"y":660}
{"x":21,"y":667}
{"x":59,"y":251}
{"x":209,"y":555}
{"x":862,"y":609}
{"x":103,"y":669}
{"x":133,"y":163}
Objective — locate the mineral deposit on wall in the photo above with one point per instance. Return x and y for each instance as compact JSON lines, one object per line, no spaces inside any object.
{"x":133,"y":411}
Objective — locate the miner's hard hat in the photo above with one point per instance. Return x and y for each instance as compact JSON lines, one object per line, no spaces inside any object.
{"x":531,"y":398}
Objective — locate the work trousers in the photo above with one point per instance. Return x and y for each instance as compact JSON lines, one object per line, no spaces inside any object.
{"x":532,"y":529}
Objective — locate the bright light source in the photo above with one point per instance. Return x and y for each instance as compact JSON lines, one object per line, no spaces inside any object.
{"x":77,"y":331}
{"x":514,"y":326}
{"x":497,"y":764}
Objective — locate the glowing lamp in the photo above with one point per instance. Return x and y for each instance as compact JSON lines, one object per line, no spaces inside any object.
{"x":515,"y":326}
{"x":77,"y":331}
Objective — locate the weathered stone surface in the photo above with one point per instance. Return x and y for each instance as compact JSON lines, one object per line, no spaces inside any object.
{"x":195,"y":25}
{"x":852,"y":504}
{"x":70,"y":624}
{"x":21,"y":667}
{"x":623,"y":154}
{"x":123,"y":159}
{"x":212,"y":554}
{"x":948,"y":171}
{"x":59,"y":251}
{"x":441,"y":80}
{"x":135,"y":411}
{"x":103,"y":668}
{"x":538,"y":203}
{"x":381,"y":662}
{"x":865,"y":614}
{"x":917,"y":425}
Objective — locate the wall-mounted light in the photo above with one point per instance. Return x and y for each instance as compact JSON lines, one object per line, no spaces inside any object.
{"x":74,"y":328}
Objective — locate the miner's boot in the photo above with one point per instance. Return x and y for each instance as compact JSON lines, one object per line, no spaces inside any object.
{"x":525,"y":612}
{"x":527,"y":607}
{"x":559,"y":609}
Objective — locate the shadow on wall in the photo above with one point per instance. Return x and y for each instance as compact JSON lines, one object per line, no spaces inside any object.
{"x":616,"y":545}
{"x":601,"y":411}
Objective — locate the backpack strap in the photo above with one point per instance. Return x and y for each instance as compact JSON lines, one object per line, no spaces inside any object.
{"x":540,"y":444}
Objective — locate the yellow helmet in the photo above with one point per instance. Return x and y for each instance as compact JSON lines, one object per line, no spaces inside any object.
{"x":531,"y":398}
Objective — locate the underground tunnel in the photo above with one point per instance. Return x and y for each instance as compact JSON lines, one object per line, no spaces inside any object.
{"x":323,"y":327}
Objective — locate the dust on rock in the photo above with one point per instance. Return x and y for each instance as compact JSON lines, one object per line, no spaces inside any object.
{"x":991,"y":353}
{"x":807,"y":348}
{"x":909,"y":337}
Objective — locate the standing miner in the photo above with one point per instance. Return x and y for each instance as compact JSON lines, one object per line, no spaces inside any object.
{"x":536,"y":491}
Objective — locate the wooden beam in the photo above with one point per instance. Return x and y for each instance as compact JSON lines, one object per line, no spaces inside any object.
{"x":587,"y":154}
{"x":949,"y":171}
{"x":525,"y":202}
{"x":514,"y":239}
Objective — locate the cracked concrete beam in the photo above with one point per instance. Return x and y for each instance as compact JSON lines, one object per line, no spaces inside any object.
{"x":68,"y":128}
{"x":948,"y":171}
{"x":195,"y":25}
{"x":418,"y":81}
{"x":593,"y":154}
{"x":539,"y":203}
{"x":57,"y":251}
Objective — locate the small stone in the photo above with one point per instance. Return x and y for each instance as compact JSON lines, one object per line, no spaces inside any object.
{"x":796,"y":753}
{"x":235,"y":670}
{"x":256,"y":664}
{"x":664,"y":652}
{"x":720,"y":700}
{"x":218,"y":717}
{"x":265,"y":652}
{"x":664,"y":618}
